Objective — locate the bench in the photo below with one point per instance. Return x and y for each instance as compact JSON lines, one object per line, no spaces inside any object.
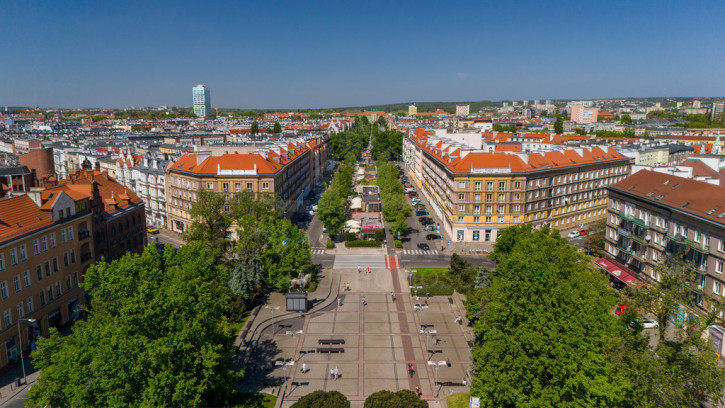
{"x":331,"y":341}
{"x":267,"y":384}
{"x":330,"y":350}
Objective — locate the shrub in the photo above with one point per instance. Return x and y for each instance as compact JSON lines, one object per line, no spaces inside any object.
{"x":350,"y":236}
{"x":322,"y":399}
{"x":363,"y":243}
{"x":389,"y":399}
{"x":398,"y":243}
{"x":379,"y":235}
{"x":330,"y":244}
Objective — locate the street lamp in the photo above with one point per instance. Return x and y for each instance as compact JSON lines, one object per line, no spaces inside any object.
{"x":294,"y":334}
{"x":20,"y":346}
{"x":284,"y":365}
{"x":435,"y":365}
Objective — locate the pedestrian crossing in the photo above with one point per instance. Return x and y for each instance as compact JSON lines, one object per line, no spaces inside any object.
{"x":419,"y":252}
{"x":364,"y":261}
{"x":317,"y":251}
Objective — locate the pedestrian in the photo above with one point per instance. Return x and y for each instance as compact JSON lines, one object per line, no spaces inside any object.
{"x":358,"y":269}
{"x":417,"y":390}
{"x":339,"y":302}
{"x":364,"y":301}
{"x":368,"y":269}
{"x":332,"y":374}
{"x":347,"y":286}
{"x":392,"y":296}
{"x":337,"y":373}
{"x":304,"y":368}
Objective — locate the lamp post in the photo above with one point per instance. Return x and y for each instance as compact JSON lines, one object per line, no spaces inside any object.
{"x":20,"y":346}
{"x":284,"y":365}
{"x":435,"y":365}
{"x":294,"y":334}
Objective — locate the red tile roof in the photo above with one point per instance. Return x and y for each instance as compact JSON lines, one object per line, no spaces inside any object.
{"x":80,"y":187}
{"x":210,"y":165}
{"x":20,"y":215}
{"x":695,"y":197}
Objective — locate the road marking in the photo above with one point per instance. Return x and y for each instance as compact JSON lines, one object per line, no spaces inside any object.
{"x":316,"y":251}
{"x":353,"y":261}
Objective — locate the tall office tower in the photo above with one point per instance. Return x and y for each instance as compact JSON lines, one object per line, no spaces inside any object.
{"x":412,"y":110}
{"x":202,"y":101}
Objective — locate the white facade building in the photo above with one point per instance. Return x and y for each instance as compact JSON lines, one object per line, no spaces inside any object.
{"x":202,"y":100}
{"x":150,"y":178}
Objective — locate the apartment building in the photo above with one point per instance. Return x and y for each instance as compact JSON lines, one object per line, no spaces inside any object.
{"x":45,"y":246}
{"x":477,"y":193}
{"x":652,"y":215}
{"x":150,"y":178}
{"x":582,"y":114}
{"x":284,"y":169}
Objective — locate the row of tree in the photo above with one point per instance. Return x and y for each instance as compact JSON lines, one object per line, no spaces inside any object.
{"x":545,"y":334}
{"x":395,"y":205}
{"x":347,"y":146}
{"x":386,"y":144}
{"x":333,"y":204}
{"x":379,"y":399}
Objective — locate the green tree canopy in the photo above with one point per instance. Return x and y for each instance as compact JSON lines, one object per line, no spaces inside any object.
{"x":254,"y":129}
{"x":389,"y":399}
{"x":277,"y":128}
{"x":156,"y":336}
{"x":547,"y":331}
{"x":211,"y":221}
{"x":322,"y":399}
{"x":559,"y":125}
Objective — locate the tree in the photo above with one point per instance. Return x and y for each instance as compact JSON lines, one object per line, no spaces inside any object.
{"x":331,"y":210}
{"x":595,"y":238}
{"x":682,"y":369}
{"x":211,"y":220}
{"x":559,"y":125}
{"x":625,"y":118}
{"x":389,"y":399}
{"x":322,"y":399}
{"x":277,"y":128}
{"x":255,"y":127}
{"x":156,"y":336}
{"x":547,"y":331}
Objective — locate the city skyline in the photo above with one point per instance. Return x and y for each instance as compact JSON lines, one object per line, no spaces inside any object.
{"x":295,"y":57}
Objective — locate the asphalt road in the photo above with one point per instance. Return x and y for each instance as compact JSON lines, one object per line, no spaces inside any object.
{"x":17,"y":401}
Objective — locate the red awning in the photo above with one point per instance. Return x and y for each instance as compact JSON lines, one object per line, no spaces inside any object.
{"x":618,"y":272}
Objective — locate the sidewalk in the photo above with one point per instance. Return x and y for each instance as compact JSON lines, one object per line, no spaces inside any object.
{"x":8,"y":389}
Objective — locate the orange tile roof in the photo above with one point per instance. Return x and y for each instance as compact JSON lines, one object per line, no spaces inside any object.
{"x":108,"y":188}
{"x":20,"y":215}
{"x":686,"y":195}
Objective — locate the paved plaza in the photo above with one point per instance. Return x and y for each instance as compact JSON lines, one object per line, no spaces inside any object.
{"x":380,"y":339}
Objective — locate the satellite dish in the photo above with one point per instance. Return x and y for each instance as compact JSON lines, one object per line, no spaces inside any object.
{"x":648,"y":237}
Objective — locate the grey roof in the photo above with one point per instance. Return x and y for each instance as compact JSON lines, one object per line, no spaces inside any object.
{"x":14,"y":170}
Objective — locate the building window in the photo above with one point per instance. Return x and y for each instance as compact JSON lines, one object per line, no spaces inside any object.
{"x":265,"y":186}
{"x":462,"y":185}
{"x":52,"y":240}
{"x":500,"y":209}
{"x":44,"y":243}
{"x":476,"y":219}
{"x":75,"y":279}
{"x":501,"y":186}
{"x":502,"y":198}
{"x":477,"y":198}
{"x":21,"y":312}
{"x":477,"y":209}
{"x":461,"y":208}
{"x":718,"y":267}
{"x":516,"y":208}
{"x":57,"y":289}
{"x":249,"y":187}
{"x":47,"y":268}
{"x":476,"y":235}
{"x":720,"y":247}
{"x":489,"y":198}
{"x":51,"y":296}
{"x":477,"y":186}
{"x":42,"y":298}
{"x":500,"y":220}
{"x":489,"y":186}
{"x":517,"y":196}
{"x":72,"y":256}
{"x":4,"y":289}
{"x":16,"y":283}
{"x":716,"y":288}
{"x":2,"y":262}
{"x":39,"y":269}
{"x":26,"y":278}
{"x":8,"y":319}
{"x":516,"y":219}
{"x":225,"y":187}
{"x":36,"y":247}
{"x":67,"y":283}
{"x":65,"y":259}
{"x":29,"y":305}
{"x":460,"y":219}
{"x":23,"y":253}
{"x":70,"y":233}
{"x":209,"y":186}
{"x":517,"y":184}
{"x":488,"y":220}
{"x":461,"y":197}
{"x":237,"y":187}
{"x":489,"y":209}
{"x":55,"y":265}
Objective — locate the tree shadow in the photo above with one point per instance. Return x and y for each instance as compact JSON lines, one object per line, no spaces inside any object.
{"x":259,"y":366}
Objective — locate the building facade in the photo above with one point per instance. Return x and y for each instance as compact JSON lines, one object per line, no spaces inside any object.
{"x":476,"y":193}
{"x":582,"y":114}
{"x":45,"y":246}
{"x":150,"y":178}
{"x":201,"y":100}
{"x":651,"y":216}
{"x":285,"y":170}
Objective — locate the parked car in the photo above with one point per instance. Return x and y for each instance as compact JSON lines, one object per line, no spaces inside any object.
{"x":425,"y":220}
{"x":408,"y":186}
{"x":419,"y":206}
{"x":423,"y":246}
{"x":431,"y":237}
{"x":152,"y":230}
{"x":421,"y":212}
{"x":649,"y":323}
{"x":573,"y":234}
{"x":429,"y":227}
{"x":583,"y":232}
{"x":620,"y":309}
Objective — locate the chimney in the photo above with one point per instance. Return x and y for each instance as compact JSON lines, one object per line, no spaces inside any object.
{"x":98,"y":166}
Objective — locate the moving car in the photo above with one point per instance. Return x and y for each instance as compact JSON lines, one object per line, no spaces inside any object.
{"x":152,"y":230}
{"x":582,"y":232}
{"x":573,"y":234}
{"x":620,"y":309}
{"x":423,"y":246}
{"x":431,"y":237}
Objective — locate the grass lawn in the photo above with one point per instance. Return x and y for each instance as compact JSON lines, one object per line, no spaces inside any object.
{"x":459,"y":400}
{"x":433,"y":280}
{"x":254,"y":400}
{"x":236,"y":327}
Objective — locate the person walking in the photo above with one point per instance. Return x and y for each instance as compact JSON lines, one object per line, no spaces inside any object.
{"x":368,"y":269}
{"x":364,"y":301}
{"x":304,"y":368}
{"x":332,"y":374}
{"x":339,"y":302}
{"x":392,"y":296}
{"x":358,"y":269}
{"x":337,"y":373}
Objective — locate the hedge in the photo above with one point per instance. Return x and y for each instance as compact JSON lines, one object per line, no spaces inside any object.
{"x":363,"y":243}
{"x":398,"y":243}
{"x":330,"y":244}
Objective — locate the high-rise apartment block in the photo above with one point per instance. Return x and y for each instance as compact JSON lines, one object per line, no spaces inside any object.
{"x":202,"y":100}
{"x":412,"y":110}
{"x":582,"y":114}
{"x":462,"y":110}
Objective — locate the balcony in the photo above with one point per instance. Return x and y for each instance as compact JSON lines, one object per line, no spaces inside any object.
{"x":697,"y":246}
{"x":678,"y":238}
{"x":639,"y":239}
{"x":83,"y":234}
{"x":85,"y":257}
{"x":635,"y":220}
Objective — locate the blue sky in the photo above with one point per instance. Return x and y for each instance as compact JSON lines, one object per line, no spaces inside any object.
{"x":293,"y":54}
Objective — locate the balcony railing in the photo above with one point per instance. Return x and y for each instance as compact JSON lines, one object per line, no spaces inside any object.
{"x":85,"y":257}
{"x":638,"y":239}
{"x":637,"y":221}
{"x":680,"y":239}
{"x":83,"y":234}
{"x":698,"y":246}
